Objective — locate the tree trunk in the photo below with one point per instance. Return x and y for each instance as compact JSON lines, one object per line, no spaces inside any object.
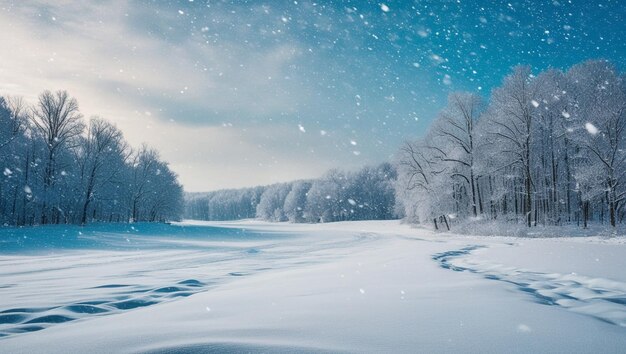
{"x":527,"y":195}
{"x":480,"y":198}
{"x":474,"y":201}
{"x":612,"y":212}
{"x":445,"y":219}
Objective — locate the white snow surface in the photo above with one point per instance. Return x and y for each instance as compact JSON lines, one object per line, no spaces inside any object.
{"x":250,"y":286}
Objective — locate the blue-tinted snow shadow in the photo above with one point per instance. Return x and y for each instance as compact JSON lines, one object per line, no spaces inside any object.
{"x":119,"y":237}
{"x":118,"y":296}
{"x":21,"y":320}
{"x":228,"y":348}
{"x":546,"y":289}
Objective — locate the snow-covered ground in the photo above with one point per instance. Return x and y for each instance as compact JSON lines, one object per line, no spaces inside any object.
{"x":376,"y":286}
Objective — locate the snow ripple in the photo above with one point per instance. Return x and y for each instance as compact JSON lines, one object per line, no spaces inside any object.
{"x":599,"y":298}
{"x":47,"y":289}
{"x":21,"y":320}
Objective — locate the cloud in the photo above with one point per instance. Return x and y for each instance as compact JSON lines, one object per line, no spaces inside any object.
{"x":218,"y":89}
{"x":151,"y":87}
{"x":96,"y":47}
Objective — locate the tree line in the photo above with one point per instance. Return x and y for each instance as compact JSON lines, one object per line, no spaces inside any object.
{"x":545,"y":149}
{"x":367,"y":194}
{"x":57,"y":168}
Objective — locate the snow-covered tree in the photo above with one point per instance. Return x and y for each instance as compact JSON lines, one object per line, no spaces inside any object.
{"x":455,"y":144}
{"x":601,"y":125}
{"x":511,"y":118}
{"x":272,"y":201}
{"x":295,"y":202}
{"x":55,"y":172}
{"x":102,"y":157}
{"x":57,"y":120}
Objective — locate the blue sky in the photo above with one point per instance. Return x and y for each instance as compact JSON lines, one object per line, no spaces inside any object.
{"x":240,"y":93}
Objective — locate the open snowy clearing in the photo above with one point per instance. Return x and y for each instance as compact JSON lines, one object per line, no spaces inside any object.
{"x":376,"y":286}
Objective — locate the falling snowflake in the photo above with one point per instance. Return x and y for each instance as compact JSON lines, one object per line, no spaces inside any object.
{"x":523,"y":328}
{"x":591,"y":128}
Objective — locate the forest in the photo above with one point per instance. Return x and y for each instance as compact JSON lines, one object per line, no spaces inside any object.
{"x":367,"y":194}
{"x":58,"y":169}
{"x":544,"y":149}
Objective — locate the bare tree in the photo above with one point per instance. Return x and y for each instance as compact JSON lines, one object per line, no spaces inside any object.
{"x":601,"y":123}
{"x":511,"y":121}
{"x":427,"y":191}
{"x":57,"y":119}
{"x":143,"y":165}
{"x":103,"y":154}
{"x":11,"y":118}
{"x":455,"y":127}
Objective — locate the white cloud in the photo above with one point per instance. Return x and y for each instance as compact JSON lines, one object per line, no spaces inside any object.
{"x":95,"y":46}
{"x":118,"y":72}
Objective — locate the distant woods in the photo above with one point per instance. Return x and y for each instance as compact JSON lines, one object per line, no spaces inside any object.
{"x":547,"y":149}
{"x":367,"y":194}
{"x":57,"y":168}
